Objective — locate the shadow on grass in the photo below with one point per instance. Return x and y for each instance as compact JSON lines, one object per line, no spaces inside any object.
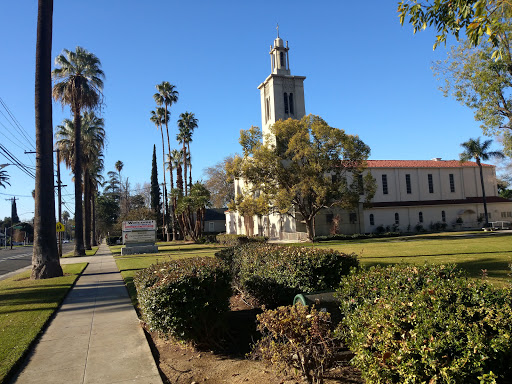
{"x":440,"y":254}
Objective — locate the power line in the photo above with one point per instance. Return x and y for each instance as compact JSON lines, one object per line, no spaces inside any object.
{"x":16,"y":162}
{"x":17,"y":125}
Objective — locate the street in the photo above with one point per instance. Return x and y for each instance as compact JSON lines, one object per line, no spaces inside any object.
{"x":19,"y":257}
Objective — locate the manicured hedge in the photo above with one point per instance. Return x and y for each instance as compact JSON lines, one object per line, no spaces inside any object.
{"x":234,"y":240}
{"x":184,"y":298}
{"x":274,"y":274}
{"x":428,"y":324}
{"x":356,"y":236}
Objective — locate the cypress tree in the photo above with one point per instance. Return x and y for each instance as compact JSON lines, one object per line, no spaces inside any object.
{"x":156,"y":205}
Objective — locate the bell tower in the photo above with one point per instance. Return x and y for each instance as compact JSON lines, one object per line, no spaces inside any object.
{"x":282,"y":95}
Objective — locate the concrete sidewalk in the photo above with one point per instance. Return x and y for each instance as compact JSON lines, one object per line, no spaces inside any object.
{"x":95,"y":336}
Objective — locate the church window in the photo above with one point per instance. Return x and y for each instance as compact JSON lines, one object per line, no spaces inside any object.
{"x":285,"y":102}
{"x":430,"y":183}
{"x":329,"y":218}
{"x":452,"y":183}
{"x":397,"y":218}
{"x":352,"y":217}
{"x":372,"y":219}
{"x":334,"y":178}
{"x":291,"y":104}
{"x":385,"y":184}
{"x":408,"y":183}
{"x":420,"y":217}
{"x":281,"y":57}
{"x":443,"y":216}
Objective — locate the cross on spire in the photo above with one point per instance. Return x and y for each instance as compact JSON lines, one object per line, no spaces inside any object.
{"x":277,"y":29}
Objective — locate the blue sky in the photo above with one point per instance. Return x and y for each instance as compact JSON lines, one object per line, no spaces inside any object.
{"x":364,"y":73}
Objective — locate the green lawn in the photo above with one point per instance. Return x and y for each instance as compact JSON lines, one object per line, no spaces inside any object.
{"x":472,"y":251}
{"x":91,"y":252}
{"x":25,"y":307}
{"x":129,"y":264}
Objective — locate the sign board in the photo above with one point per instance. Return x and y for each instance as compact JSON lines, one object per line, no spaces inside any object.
{"x":139,"y":225}
{"x":59,"y":226}
{"x":139,"y":232}
{"x":139,"y":237}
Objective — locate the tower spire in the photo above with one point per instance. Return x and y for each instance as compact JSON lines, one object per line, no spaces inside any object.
{"x":277,"y":30}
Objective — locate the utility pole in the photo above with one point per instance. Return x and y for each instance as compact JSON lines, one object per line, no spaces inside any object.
{"x":13,"y":202}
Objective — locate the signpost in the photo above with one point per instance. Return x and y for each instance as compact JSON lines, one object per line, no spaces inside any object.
{"x":59,"y":226}
{"x":139,"y":236}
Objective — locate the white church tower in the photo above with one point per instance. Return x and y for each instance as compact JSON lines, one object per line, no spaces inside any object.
{"x":282,"y":95}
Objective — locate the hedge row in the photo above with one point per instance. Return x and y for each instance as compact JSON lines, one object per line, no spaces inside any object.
{"x":357,"y":236}
{"x":234,"y":240}
{"x":274,"y":274}
{"x":184,"y":298}
{"x":429,"y":324}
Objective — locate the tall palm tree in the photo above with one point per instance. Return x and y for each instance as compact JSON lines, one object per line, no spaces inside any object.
{"x":45,"y":256}
{"x":158,"y":117}
{"x":474,"y":149}
{"x":119,"y":167}
{"x":175,"y":159}
{"x":97,"y":179}
{"x":79,"y":84}
{"x":186,"y":124}
{"x":92,"y":142}
{"x":167,"y":95}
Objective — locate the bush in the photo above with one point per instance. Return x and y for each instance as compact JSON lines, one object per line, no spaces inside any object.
{"x":234,"y":240}
{"x":357,"y":236}
{"x":299,"y":338}
{"x":184,"y":298}
{"x":274,"y":274}
{"x":426,"y":325}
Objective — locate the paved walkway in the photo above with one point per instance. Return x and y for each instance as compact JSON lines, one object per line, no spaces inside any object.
{"x":95,"y":336}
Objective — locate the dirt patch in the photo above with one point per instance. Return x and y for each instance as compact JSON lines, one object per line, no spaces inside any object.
{"x":186,"y":365}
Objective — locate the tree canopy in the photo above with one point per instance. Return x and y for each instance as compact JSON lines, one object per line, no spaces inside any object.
{"x":311,"y":166}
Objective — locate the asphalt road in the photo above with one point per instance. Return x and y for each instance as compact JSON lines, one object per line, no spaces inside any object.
{"x":19,"y":257}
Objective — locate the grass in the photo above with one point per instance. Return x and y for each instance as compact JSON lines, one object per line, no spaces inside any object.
{"x":473,"y":251}
{"x":90,"y":252}
{"x":25,"y":307}
{"x":128,"y":265}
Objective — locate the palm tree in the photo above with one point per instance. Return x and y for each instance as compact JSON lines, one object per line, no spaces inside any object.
{"x":92,"y":143}
{"x":473,"y":149}
{"x":3,"y":178}
{"x":186,"y":124}
{"x":45,"y":256}
{"x":167,"y":95}
{"x":96,"y":179}
{"x":175,"y":159}
{"x":79,"y":84}
{"x":158,"y":117}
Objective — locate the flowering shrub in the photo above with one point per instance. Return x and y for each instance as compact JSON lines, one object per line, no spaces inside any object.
{"x":297,"y":337}
{"x":274,"y":274}
{"x":429,"y":324}
{"x":184,"y":298}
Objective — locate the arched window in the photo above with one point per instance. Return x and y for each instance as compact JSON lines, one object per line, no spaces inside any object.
{"x":397,"y":218}
{"x":291,"y":104}
{"x":443,"y":216}
{"x":372,"y":219}
{"x":285,"y":102}
{"x":420,"y":217}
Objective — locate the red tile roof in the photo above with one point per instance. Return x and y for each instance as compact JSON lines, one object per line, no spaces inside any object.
{"x":422,"y":164}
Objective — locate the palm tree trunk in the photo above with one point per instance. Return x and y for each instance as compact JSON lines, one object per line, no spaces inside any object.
{"x":185,"y":167}
{"x":79,"y":221}
{"x":45,"y":256}
{"x":484,"y":199}
{"x":189,"y":166}
{"x":164,"y":205}
{"x":94,"y":236}
{"x":173,"y":215}
{"x":87,"y":209}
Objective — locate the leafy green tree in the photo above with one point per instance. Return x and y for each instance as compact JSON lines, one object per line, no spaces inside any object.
{"x":503,"y":188}
{"x":311,"y":166}
{"x":476,"y":80}
{"x":45,"y":256}
{"x":156,"y":205}
{"x":186,"y":124}
{"x":107,"y":212}
{"x":192,"y":208}
{"x":477,"y":18}
{"x":221,"y":188}
{"x":79,"y":84}
{"x":474,"y":149}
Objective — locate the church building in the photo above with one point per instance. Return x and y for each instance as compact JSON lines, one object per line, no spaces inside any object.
{"x":411,"y":195}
